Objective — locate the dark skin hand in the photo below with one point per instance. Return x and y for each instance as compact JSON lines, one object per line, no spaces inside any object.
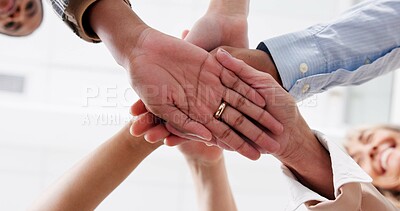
{"x":257,"y":59}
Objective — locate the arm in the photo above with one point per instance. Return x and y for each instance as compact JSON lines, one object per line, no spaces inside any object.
{"x":184,"y":87}
{"x":319,"y":175}
{"x":212,"y":185}
{"x":358,"y":46}
{"x":89,"y":182}
{"x":205,"y":162}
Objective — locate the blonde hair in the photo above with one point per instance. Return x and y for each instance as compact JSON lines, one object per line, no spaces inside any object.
{"x":352,"y":135}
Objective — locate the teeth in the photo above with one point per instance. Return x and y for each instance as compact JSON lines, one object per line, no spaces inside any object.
{"x":384,"y":158}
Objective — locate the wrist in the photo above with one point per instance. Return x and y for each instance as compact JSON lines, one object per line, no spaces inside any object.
{"x":229,"y":7}
{"x":137,"y":144}
{"x":117,"y":26}
{"x":302,"y":143}
{"x":310,"y":162}
{"x":202,"y":164}
{"x":204,"y":170}
{"x":271,"y":66}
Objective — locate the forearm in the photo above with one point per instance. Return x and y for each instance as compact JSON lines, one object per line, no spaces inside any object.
{"x":323,"y":49}
{"x":310,"y":162}
{"x":230,"y":7}
{"x":212,"y":186}
{"x":95,"y":177}
{"x":118,"y":27}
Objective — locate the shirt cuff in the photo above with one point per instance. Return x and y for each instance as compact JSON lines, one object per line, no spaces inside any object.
{"x":297,"y":55}
{"x":74,"y":16}
{"x":344,"y":170}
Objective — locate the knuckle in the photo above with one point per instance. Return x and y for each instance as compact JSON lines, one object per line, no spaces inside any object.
{"x":241,"y":147}
{"x":238,"y":121}
{"x":262,"y":116}
{"x":248,"y":91}
{"x":261,"y":137}
{"x":240,"y":102}
{"x":227,"y":133}
{"x":236,"y":84}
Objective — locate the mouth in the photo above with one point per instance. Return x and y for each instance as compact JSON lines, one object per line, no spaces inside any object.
{"x":384,"y":158}
{"x":16,"y":27}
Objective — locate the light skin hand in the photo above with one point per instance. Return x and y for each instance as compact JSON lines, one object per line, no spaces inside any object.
{"x":91,"y":180}
{"x":206,"y":162}
{"x":299,"y":148}
{"x":256,"y":58}
{"x":184,"y":87}
{"x":154,"y":130}
{"x":198,"y":93}
{"x":224,"y":23}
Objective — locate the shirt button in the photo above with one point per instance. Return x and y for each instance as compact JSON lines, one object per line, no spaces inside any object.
{"x":303,"y":68}
{"x":367,"y":61}
{"x":306,"y":87}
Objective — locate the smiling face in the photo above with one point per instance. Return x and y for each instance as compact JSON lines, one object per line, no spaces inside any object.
{"x":377,"y":151}
{"x":20,"y":17}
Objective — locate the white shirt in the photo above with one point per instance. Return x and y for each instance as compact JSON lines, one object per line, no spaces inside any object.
{"x":345,"y":170}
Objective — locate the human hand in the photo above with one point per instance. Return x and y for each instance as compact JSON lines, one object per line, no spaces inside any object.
{"x":278,"y":103}
{"x":215,"y":29}
{"x":154,"y":131}
{"x":299,"y":149}
{"x":184,"y":88}
{"x":257,"y":59}
{"x":224,"y":23}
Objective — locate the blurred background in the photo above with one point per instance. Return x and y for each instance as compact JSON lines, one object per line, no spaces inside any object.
{"x":60,"y":97}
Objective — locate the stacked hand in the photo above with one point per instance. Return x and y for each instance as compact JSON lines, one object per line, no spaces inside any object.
{"x":225,"y":30}
{"x":192,"y":150}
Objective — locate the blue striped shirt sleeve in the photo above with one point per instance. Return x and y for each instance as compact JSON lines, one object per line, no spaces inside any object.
{"x":349,"y":50}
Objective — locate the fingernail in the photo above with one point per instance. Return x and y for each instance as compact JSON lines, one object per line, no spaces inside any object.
{"x":197,"y":136}
{"x":224,"y":51}
{"x":209,"y":145}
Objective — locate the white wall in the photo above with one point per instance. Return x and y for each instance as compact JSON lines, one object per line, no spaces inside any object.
{"x":395,"y":116}
{"x":44,"y":131}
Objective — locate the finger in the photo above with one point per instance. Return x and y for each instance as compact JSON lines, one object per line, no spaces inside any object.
{"x":156,"y":134}
{"x":175,"y":140}
{"x":226,"y":135}
{"x":245,"y":72}
{"x":186,"y":125}
{"x":177,"y":133}
{"x":258,"y":114}
{"x":222,"y":145}
{"x":138,"y":108}
{"x":185,"y":33}
{"x":233,"y":82}
{"x":143,"y":123}
{"x":241,"y":124}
